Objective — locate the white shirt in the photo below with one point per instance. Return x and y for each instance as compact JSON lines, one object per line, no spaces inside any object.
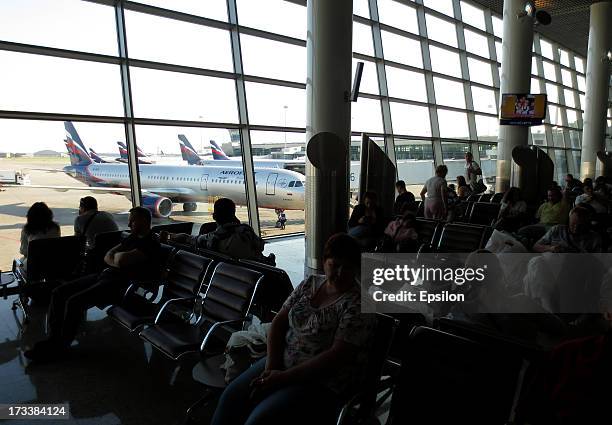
{"x":471,"y":170}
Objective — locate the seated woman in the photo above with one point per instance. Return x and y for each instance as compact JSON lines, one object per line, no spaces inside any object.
{"x":463,"y":190}
{"x":513,"y":211}
{"x":317,"y":350}
{"x":401,"y":234}
{"x":39,"y":225}
{"x":367,"y":221}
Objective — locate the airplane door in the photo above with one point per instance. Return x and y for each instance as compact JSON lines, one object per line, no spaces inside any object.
{"x":270,"y":183}
{"x":204,"y":182}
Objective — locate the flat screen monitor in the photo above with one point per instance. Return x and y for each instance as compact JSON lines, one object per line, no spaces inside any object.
{"x":522,"y":109}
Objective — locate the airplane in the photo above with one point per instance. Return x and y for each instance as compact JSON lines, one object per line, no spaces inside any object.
{"x":165,"y":185}
{"x":96,"y":158}
{"x":123,"y":155}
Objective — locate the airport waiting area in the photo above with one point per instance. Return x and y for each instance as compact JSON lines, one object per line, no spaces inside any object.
{"x":347,"y":212}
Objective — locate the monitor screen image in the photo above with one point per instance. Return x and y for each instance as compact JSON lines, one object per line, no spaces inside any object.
{"x":522,"y":109}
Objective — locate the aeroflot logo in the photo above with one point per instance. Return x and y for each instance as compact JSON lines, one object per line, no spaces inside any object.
{"x":416,"y":276}
{"x":232,"y":172}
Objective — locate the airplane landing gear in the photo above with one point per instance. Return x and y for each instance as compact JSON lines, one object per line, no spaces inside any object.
{"x":190,"y":206}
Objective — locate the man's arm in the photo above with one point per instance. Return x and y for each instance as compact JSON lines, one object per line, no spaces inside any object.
{"x":129,"y":258}
{"x":109,"y":258}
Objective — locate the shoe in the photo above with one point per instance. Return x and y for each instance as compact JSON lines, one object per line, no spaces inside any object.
{"x":44,"y":351}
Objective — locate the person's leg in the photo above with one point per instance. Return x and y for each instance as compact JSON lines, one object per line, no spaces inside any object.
{"x":426,"y":209}
{"x":59,"y":297}
{"x":297,"y":404}
{"x":234,"y":404}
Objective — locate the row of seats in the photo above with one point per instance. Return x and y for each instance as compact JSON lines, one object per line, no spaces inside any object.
{"x":439,"y":236}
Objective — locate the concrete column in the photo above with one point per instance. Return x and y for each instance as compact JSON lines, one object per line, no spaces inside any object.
{"x":328,"y":86}
{"x":597,"y":80}
{"x":515,"y":78}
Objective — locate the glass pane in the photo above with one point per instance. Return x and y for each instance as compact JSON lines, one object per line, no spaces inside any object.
{"x":449,"y":93}
{"x":487,"y":153}
{"x":487,"y":128}
{"x":569,"y":98}
{"x":273,"y":59}
{"x":484,"y":100}
{"x":575,"y":155}
{"x":406,"y":84}
{"x":402,"y":49}
{"x":582,"y":102}
{"x":480,"y":71}
{"x":566,"y":77}
{"x":203,"y":182}
{"x":453,"y":125}
{"x":453,"y":156}
{"x":535,"y":86}
{"x":276,"y":105}
{"x":473,"y":15}
{"x":398,"y":15}
{"x":369,"y":77}
{"x":290,"y":17}
{"x":534,"y":66}
{"x":557,"y":134}
{"x":575,"y":137}
{"x":41,"y":147}
{"x":279,"y":146}
{"x":560,"y":164}
{"x":498,"y":51}
{"x":443,"y":6}
{"x":48,"y":84}
{"x":361,"y":8}
{"x":554,"y":114}
{"x":572,"y":118}
{"x":172,"y":95}
{"x":441,"y":30}
{"x":498,"y":26}
{"x":415,"y":163}
{"x":444,"y":61}
{"x":581,"y":83}
{"x":55,"y":24}
{"x":552,"y":93}
{"x":410,"y":120}
{"x":564,"y":57}
{"x":547,"y":49}
{"x":538,"y":135}
{"x":476,"y":43}
{"x":366,"y":116}
{"x":579,"y":62}
{"x":200,"y":46}
{"x":362,"y":39}
{"x":214,"y":9}
{"x":549,"y":71}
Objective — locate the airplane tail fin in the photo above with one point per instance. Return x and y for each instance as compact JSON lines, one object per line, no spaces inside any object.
{"x":122,"y":151}
{"x":76,"y":149}
{"x":217,"y":152}
{"x":95,"y":157}
{"x":188,"y":153}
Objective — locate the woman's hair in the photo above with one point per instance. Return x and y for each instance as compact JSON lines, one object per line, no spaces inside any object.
{"x":343,"y":246}
{"x":39,"y":219}
{"x":461,"y":181}
{"x":441,"y":170}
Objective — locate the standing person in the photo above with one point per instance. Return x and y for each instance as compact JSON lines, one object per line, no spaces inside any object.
{"x":39,"y":225}
{"x":282,"y":217}
{"x":472,"y":172}
{"x":137,"y":257}
{"x":436,"y":191}
{"x":317,"y":350}
{"x":404,"y":199}
{"x":90,"y":221}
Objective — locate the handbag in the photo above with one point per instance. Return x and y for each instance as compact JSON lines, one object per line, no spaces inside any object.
{"x":479,"y":187}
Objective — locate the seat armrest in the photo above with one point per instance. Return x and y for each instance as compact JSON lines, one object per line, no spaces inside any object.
{"x":167,"y":303}
{"x":213,"y":328}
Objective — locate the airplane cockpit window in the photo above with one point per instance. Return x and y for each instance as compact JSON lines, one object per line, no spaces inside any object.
{"x":298,"y":184}
{"x":291,"y":184}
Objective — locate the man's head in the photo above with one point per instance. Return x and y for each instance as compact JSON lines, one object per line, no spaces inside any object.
{"x":441,"y":171}
{"x":88,"y":203}
{"x":469,"y":157}
{"x":224,"y":211}
{"x":569,"y":178}
{"x":370,"y":200}
{"x":554,"y":195}
{"x":578,"y":220}
{"x":140,"y":221}
{"x":588,"y":190}
{"x":400,"y":186}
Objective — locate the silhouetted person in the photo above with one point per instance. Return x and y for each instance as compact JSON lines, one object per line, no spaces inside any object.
{"x":39,"y":225}
{"x":405,"y":200}
{"x":91,"y":221}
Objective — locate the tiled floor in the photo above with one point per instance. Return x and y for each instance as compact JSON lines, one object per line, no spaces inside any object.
{"x":110,"y":376}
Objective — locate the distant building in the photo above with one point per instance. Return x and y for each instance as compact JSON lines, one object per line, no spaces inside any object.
{"x":11,"y":154}
{"x":47,"y":153}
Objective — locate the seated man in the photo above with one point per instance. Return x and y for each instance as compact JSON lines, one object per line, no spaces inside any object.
{"x":90,"y":221}
{"x":554,"y":211}
{"x":230,"y":238}
{"x":137,"y":257}
{"x":405,"y":200}
{"x":575,"y":237}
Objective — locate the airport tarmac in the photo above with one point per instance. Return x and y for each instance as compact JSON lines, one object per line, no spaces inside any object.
{"x":15,"y":201}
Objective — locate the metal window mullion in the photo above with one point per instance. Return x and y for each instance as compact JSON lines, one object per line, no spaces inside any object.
{"x":492,"y":52}
{"x":561,"y":95}
{"x":540,"y":66}
{"x":579,"y":107}
{"x":429,"y":85}
{"x":245,"y":133}
{"x":382,"y":83}
{"x":130,"y":131}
